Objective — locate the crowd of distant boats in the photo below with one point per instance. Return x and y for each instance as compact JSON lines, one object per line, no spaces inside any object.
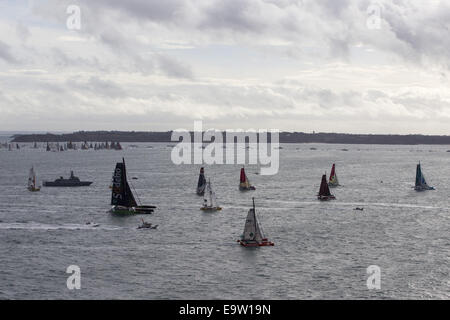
{"x":55,"y":147}
{"x":123,"y":201}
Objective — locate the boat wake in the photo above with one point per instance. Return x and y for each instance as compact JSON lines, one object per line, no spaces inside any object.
{"x":30,"y":225}
{"x":295,"y":204}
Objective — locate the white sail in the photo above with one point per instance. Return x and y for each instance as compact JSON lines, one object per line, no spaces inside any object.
{"x":248,"y":181}
{"x":259,"y":234}
{"x":252,"y":230}
{"x":32,"y":179}
{"x":209,"y":197}
{"x":250,"y":226}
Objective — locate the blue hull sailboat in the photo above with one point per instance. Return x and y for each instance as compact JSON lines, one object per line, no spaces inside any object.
{"x":421,"y":184}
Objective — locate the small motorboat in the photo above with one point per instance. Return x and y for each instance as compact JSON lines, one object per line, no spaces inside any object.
{"x":94,"y":225}
{"x":147,"y":225}
{"x":359,"y":209}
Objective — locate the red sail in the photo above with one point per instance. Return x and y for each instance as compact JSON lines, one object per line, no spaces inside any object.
{"x":243,"y":177}
{"x":332,"y":171}
{"x":324,"y":190}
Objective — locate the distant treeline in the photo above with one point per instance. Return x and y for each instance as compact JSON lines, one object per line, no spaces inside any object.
{"x":284,"y":137}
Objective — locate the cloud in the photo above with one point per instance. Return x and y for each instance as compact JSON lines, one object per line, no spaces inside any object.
{"x":298,"y":65}
{"x":22,"y":31}
{"x":98,"y":87}
{"x":6,"y":54}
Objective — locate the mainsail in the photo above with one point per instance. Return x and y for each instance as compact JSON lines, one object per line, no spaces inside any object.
{"x":324,"y":192}
{"x":333,"y":182}
{"x":121,"y":192}
{"x":421,"y":183}
{"x":32,"y":179}
{"x":201,"y":185}
{"x":252,"y":231}
{"x":244,"y":183}
{"x":210,"y":199}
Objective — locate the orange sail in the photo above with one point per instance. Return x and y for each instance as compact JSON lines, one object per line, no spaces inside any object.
{"x":244,"y":182}
{"x":333,"y":182}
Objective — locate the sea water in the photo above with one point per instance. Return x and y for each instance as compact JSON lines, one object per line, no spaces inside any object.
{"x":322,"y":249}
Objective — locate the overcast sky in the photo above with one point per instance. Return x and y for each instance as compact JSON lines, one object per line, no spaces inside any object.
{"x":322,"y":65}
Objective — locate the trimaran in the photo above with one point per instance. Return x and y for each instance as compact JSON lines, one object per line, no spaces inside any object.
{"x":253,"y":235}
{"x":122,"y":198}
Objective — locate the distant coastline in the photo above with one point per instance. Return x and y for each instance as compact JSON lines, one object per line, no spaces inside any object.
{"x":285,"y":137}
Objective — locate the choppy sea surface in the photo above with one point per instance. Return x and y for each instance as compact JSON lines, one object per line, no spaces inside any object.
{"x":322,"y":249}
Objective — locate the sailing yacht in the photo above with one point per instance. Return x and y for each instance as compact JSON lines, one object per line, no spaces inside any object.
{"x":201,"y":184}
{"x":32,"y":185}
{"x":122,"y":198}
{"x":333,"y":182}
{"x":244,"y":184}
{"x":324,"y":192}
{"x":421,"y":184}
{"x":209,"y":200}
{"x":253,"y":235}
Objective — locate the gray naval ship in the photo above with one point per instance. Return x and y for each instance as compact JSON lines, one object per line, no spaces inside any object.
{"x":71,"y":182}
